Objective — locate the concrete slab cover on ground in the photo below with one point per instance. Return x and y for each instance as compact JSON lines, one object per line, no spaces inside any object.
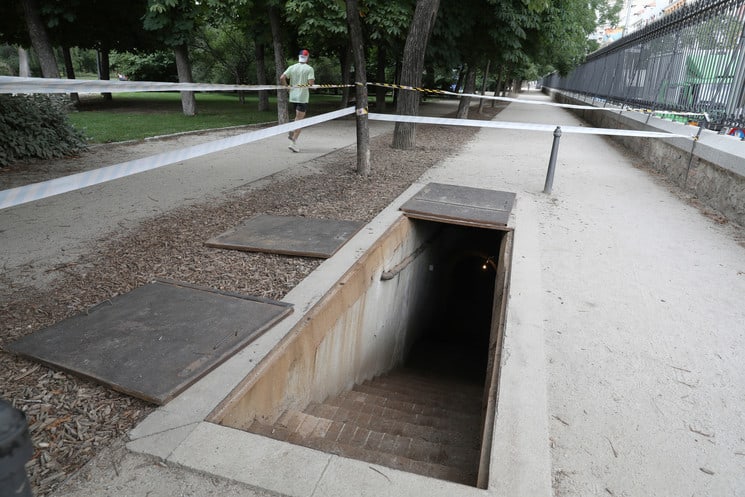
{"x":620,"y":376}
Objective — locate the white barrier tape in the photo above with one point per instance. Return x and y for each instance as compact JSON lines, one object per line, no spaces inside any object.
{"x":523,"y":126}
{"x":641,"y":110}
{"x":528,"y":102}
{"x":490,"y":97}
{"x":537,"y":102}
{"x":674,"y":113}
{"x":37,"y":191}
{"x":14,"y":84}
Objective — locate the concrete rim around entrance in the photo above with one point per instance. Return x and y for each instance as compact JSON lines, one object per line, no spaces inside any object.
{"x":179,"y":434}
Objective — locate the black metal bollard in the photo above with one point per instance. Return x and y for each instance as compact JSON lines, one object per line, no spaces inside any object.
{"x":15,"y":450}
{"x":552,"y":161}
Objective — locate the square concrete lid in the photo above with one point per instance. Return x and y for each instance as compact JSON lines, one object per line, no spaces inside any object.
{"x":461,"y":205}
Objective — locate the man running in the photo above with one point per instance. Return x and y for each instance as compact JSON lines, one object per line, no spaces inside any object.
{"x":300,"y":74}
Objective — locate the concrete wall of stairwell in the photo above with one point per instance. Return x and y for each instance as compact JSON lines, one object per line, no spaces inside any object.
{"x":363,"y":327}
{"x":717,"y":172}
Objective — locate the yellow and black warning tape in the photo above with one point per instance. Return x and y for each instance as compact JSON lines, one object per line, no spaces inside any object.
{"x":14,"y":84}
{"x":413,"y":88}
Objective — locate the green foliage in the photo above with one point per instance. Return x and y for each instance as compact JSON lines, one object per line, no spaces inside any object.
{"x":157,"y":66}
{"x":326,"y":69}
{"x":133,"y":116}
{"x":35,"y":127}
{"x":321,"y":26}
{"x":223,"y":55}
{"x":607,"y":12}
{"x":84,"y":60}
{"x":8,"y":60}
{"x":386,"y":20}
{"x":173,"y":20}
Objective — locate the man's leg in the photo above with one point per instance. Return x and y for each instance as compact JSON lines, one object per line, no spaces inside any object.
{"x":300,"y":110}
{"x":298,"y":116}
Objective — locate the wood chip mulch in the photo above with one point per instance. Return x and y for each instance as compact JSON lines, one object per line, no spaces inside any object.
{"x":72,"y":419}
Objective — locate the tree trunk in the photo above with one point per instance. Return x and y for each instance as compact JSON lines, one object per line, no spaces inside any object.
{"x":397,"y":80}
{"x":360,"y":73}
{"x":498,"y":88}
{"x":40,"y":39}
{"x":483,"y":86}
{"x":183,"y":68}
{"x":24,"y":70}
{"x":461,"y":78}
{"x":104,"y":69}
{"x":379,"y":90}
{"x":279,"y":64}
{"x":261,"y":76}
{"x":346,"y":77}
{"x":429,"y":76}
{"x":70,"y":73}
{"x":465,"y":102}
{"x":404,"y":136}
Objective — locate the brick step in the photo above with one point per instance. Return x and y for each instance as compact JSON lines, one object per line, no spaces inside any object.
{"x":391,"y":423}
{"x":376,"y":405}
{"x":441,"y":399}
{"x":369,"y":445}
{"x":433,"y":381}
{"x":432,"y":406}
{"x":402,"y":463}
{"x":462,"y":393}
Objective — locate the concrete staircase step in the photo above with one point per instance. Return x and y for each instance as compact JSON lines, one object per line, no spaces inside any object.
{"x":391,"y":422}
{"x":412,"y":379}
{"x":441,"y":399}
{"x":465,"y":476}
{"x":310,"y":431}
{"x":427,"y":415}
{"x":403,"y":420}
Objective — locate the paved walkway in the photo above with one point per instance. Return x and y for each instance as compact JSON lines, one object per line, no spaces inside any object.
{"x":636,"y":299}
{"x":622,"y":371}
{"x":54,"y":231}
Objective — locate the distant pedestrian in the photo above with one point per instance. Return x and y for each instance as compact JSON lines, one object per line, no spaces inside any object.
{"x":300,"y":74}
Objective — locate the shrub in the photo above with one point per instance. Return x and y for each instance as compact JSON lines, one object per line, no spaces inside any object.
{"x":36,"y":126}
{"x":158,"y":66}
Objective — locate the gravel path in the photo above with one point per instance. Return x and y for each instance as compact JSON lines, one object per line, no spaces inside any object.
{"x":72,"y":419}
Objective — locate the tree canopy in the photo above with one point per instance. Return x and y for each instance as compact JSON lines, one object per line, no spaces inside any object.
{"x":514,"y":35}
{"x":409,"y":42}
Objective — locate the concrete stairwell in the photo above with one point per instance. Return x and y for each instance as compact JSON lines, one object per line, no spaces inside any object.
{"x":407,"y":419}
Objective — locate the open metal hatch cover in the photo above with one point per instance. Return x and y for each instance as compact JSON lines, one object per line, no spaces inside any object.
{"x":461,"y":205}
{"x":156,"y":340}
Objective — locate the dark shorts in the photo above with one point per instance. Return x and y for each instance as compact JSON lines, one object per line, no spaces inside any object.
{"x":300,"y":107}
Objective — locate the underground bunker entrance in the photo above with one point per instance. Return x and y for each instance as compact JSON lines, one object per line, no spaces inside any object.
{"x":398,"y":363}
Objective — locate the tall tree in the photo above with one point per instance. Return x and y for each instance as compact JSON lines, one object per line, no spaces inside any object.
{"x":404,"y":136}
{"x":322,"y":28}
{"x":275,"y":22}
{"x":37,"y":31}
{"x":261,"y":77}
{"x":469,"y":88}
{"x":385,"y":23}
{"x":174,"y":21}
{"x":358,"y":50}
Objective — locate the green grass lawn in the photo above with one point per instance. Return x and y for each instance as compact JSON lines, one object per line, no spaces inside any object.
{"x":133,"y":116}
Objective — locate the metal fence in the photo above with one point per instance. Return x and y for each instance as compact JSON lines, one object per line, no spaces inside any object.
{"x":692,"y":60}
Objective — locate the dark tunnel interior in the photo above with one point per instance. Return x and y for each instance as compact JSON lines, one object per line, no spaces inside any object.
{"x":456,"y":341}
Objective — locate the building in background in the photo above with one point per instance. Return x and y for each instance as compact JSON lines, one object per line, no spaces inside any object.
{"x":635,"y":15}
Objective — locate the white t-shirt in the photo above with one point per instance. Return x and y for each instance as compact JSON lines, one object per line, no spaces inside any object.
{"x":299,"y":74}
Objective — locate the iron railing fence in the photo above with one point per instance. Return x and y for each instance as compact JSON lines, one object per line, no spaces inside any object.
{"x":690,"y":61}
